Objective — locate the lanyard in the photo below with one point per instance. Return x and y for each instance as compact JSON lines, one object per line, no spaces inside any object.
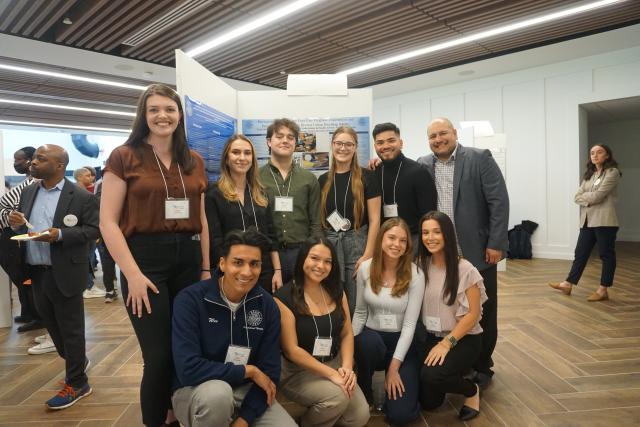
{"x":394,"y":184}
{"x":244,"y":307}
{"x":335,"y":196}
{"x":329,"y":314}
{"x":244,"y":228}
{"x":165,"y":181}
{"x":276,"y":182}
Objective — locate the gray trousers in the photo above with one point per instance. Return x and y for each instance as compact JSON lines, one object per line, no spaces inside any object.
{"x":213,"y":403}
{"x":326,"y":403}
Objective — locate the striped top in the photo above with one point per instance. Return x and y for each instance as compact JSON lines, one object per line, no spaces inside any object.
{"x":9,"y":202}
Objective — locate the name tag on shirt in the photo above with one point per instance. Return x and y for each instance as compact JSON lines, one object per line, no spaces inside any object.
{"x":387,"y":322}
{"x":238,"y":355}
{"x":176,"y":209}
{"x":433,"y":324}
{"x":336,"y":221}
{"x":283,"y":204}
{"x":322,"y":346}
{"x":597,"y":181}
{"x":390,"y":211}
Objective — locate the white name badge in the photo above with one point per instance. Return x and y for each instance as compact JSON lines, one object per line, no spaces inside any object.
{"x":238,"y":355}
{"x":176,"y":209}
{"x":597,"y":182}
{"x":70,"y":220}
{"x":284,"y":204}
{"x":433,"y":324}
{"x":387,"y":322}
{"x":322,"y":346}
{"x":390,"y":211}
{"x":336,"y":220}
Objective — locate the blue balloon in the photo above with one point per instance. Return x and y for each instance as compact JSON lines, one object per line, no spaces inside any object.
{"x":87,"y":148}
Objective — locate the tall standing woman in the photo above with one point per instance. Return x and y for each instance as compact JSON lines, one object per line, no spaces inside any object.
{"x":153,"y":222}
{"x":237,"y":202}
{"x":597,"y":197}
{"x":349,"y":208}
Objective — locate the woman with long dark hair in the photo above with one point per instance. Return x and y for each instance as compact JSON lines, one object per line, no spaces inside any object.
{"x":317,"y":341}
{"x":597,"y":197}
{"x":238,"y":202}
{"x":349,"y":207}
{"x":390,"y":289}
{"x":450,"y":339}
{"x":153,"y":222}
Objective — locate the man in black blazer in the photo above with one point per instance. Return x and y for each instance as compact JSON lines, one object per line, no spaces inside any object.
{"x":58,"y":261}
{"x":472,"y":191}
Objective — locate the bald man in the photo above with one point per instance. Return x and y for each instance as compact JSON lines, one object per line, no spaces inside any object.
{"x":472,"y":191}
{"x":67,"y":219}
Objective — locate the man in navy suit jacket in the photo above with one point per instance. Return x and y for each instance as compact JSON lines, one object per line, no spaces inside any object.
{"x":58,"y":261}
{"x":472,"y":191}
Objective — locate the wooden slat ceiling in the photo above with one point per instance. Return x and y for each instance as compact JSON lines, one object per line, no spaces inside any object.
{"x":330,"y":36}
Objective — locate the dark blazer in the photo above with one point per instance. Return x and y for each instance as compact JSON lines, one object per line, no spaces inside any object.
{"x":480,"y":203}
{"x":70,"y":256}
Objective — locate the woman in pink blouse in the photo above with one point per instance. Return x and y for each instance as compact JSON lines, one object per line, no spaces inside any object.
{"x":451,"y":312}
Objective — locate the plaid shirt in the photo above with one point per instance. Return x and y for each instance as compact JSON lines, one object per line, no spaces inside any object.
{"x":443,"y":172}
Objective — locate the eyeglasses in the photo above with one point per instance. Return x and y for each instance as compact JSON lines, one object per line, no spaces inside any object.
{"x":347,"y":145}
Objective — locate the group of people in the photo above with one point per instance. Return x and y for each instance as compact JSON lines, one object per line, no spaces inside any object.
{"x":271,"y":279}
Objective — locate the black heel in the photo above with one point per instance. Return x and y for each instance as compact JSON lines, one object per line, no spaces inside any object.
{"x":467,"y":413}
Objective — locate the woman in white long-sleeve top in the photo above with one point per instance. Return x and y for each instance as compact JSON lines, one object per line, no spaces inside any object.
{"x":389,"y":297}
{"x":597,"y":197}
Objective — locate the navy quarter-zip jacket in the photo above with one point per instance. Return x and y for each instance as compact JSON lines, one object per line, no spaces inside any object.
{"x":201,"y":328}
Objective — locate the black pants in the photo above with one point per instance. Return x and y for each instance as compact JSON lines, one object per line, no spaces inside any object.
{"x":436,"y":381}
{"x":108,"y":267}
{"x":373,"y":352}
{"x":489,"y":321}
{"x":288,"y":258}
{"x":605,"y":237}
{"x":64,"y":319}
{"x":172,"y":262}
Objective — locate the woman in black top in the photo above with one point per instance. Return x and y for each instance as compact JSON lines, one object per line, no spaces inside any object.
{"x":317,"y":341}
{"x":349,"y":208}
{"x":237,"y":202}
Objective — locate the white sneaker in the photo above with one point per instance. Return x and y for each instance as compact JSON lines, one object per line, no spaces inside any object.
{"x":94,"y":292}
{"x":42,"y":338}
{"x":45,"y":346}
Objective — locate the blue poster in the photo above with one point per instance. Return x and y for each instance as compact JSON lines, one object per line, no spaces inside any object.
{"x":207,"y":131}
{"x":314,"y":142}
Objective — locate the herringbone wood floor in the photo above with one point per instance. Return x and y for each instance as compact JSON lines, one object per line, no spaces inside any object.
{"x":560,"y":361}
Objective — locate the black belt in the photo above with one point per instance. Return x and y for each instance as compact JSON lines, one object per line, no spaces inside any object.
{"x":285,"y":245}
{"x":162,"y":238}
{"x":40,"y":267}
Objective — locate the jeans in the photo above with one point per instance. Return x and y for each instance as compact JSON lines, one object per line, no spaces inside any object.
{"x":172,"y":261}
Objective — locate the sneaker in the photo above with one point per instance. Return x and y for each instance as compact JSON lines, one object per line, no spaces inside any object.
{"x":110,"y":296}
{"x":94,"y":292}
{"x":41,"y":338}
{"x":45,"y":346}
{"x":68,"y":396}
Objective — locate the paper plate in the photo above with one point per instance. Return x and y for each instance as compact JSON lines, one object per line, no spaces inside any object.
{"x":25,"y":237}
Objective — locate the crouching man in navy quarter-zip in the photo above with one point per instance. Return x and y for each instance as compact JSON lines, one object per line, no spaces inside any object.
{"x":226,"y":343}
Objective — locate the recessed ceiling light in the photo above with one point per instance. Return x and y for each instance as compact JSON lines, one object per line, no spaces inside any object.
{"x":67,"y":21}
{"x":71,"y":77}
{"x":283,"y":72}
{"x":67,"y":107}
{"x":482,"y":35}
{"x":62,"y":126}
{"x":250,"y":26}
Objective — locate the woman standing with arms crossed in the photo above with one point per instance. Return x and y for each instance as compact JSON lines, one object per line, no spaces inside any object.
{"x":237,"y":202}
{"x":317,"y":341}
{"x":390,"y":290}
{"x":451,"y":312}
{"x":597,"y":196}
{"x":350,"y":208}
{"x":153,"y":223}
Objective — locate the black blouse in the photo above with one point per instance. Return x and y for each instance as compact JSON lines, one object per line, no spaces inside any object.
{"x":306,"y":328}
{"x":224,"y":216}
{"x":371,"y":190}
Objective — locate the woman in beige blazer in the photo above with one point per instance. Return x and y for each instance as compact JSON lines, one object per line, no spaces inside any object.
{"x":597,"y":197}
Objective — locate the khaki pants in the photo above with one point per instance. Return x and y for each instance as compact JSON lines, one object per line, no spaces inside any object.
{"x":213,"y":403}
{"x":326,"y":403}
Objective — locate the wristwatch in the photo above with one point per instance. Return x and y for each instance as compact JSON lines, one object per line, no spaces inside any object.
{"x":452,"y":340}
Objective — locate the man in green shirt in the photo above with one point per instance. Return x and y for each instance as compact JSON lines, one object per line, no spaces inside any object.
{"x":294,"y":194}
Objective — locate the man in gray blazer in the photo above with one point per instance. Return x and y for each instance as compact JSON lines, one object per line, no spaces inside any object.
{"x":58,"y":262}
{"x":472,"y":191}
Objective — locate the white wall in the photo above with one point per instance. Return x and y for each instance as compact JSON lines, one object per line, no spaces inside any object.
{"x":538,"y":110}
{"x":624,"y":139}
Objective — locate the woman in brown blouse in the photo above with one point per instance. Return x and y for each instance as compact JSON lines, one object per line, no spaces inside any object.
{"x":153,"y":223}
